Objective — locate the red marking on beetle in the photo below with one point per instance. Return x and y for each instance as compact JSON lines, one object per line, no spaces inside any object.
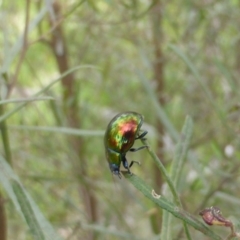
{"x":130,"y":126}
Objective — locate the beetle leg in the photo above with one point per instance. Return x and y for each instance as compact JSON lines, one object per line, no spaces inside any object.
{"x":137,"y":149}
{"x":141,"y":135}
{"x":132,"y":162}
{"x":125,"y":164}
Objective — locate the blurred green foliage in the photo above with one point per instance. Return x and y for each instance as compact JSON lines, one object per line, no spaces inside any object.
{"x":110,"y":52}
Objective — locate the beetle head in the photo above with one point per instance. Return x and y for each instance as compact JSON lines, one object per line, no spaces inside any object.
{"x":115,"y":169}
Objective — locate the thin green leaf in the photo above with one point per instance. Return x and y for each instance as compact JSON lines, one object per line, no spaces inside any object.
{"x":159,"y":109}
{"x":18,"y":100}
{"x":7,"y":177}
{"x":176,"y":168}
{"x":63,"y":130}
{"x":193,"y":70}
{"x":20,"y":106}
{"x":162,"y":169}
{"x":5,"y":137}
{"x":198,"y":78}
{"x":27,"y":211}
{"x":181,"y":150}
{"x":165,"y":204}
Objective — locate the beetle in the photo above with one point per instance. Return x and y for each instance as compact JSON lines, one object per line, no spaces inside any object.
{"x":120,"y":135}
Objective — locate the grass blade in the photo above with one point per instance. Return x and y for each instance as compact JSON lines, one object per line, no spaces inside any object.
{"x":25,"y":100}
{"x":20,"y":106}
{"x":176,"y":168}
{"x":63,"y":130}
{"x":165,"y":204}
{"x":16,"y":192}
{"x":27,"y":211}
{"x":181,"y":150}
{"x":161,"y":114}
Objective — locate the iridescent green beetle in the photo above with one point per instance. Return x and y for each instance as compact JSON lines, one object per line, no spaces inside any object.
{"x":121,"y":133}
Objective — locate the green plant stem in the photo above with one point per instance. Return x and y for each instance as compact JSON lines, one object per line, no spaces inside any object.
{"x":3,"y":219}
{"x":24,"y":204}
{"x":5,"y":138}
{"x":18,"y":100}
{"x":21,"y":105}
{"x":176,"y":168}
{"x":164,"y":172}
{"x":62,"y":130}
{"x":169,"y":181}
{"x":165,"y":204}
{"x":28,"y":212}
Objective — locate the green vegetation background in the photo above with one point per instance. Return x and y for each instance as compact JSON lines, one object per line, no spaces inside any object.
{"x":69,"y":67}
